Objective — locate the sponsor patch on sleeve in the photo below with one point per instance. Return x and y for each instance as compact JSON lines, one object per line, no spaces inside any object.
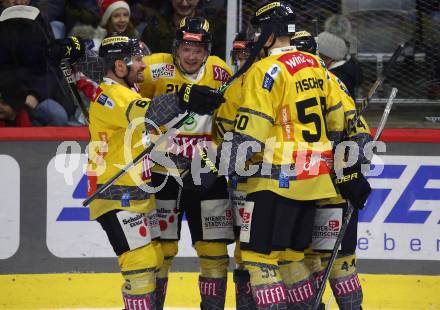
{"x":343,"y":87}
{"x":270,"y":76}
{"x":268,"y":82}
{"x":220,"y":74}
{"x":105,"y":101}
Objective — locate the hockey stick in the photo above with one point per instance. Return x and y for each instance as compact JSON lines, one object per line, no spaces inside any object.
{"x":350,"y":209}
{"x":33,"y":14}
{"x":265,"y":34}
{"x":380,"y":79}
{"x":66,"y":68}
{"x":315,"y":33}
{"x":385,"y":114}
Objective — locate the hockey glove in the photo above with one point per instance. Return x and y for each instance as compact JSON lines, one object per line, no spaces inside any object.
{"x":71,"y":48}
{"x":199,"y":99}
{"x":353,"y":186}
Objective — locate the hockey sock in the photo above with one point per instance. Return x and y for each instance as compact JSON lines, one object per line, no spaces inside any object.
{"x":268,"y":288}
{"x":345,"y":283}
{"x":314,"y":264}
{"x":299,"y":281}
{"x":138,"y":268}
{"x":169,"y":249}
{"x":243,"y":290}
{"x":214,"y":262}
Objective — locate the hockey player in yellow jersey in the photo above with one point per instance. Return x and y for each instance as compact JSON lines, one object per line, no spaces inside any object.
{"x":223,"y":122}
{"x":280,"y":120}
{"x":190,"y":62}
{"x":287,"y":95}
{"x":119,"y":120}
{"x":343,"y":278}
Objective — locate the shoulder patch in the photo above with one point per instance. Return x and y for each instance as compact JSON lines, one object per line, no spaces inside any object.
{"x":164,"y":70}
{"x":220,"y":74}
{"x":342,"y":85}
{"x":297,"y":61}
{"x":105,"y":101}
{"x":270,"y":76}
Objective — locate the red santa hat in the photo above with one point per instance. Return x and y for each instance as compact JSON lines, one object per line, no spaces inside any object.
{"x":107,"y":7}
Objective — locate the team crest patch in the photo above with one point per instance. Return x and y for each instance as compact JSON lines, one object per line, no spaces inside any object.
{"x":162,"y":70}
{"x":220,"y":74}
{"x":343,"y":87}
{"x":268,"y":82}
{"x":105,"y":101}
{"x":270,"y":76}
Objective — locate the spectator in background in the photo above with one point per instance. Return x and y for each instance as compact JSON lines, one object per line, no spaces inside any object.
{"x":12,"y":108}
{"x":21,"y":107}
{"x":115,"y":17}
{"x":334,"y":52}
{"x":81,"y":13}
{"x":24,"y":60}
{"x":340,"y":26}
{"x":52,"y":12}
{"x":161,"y":25}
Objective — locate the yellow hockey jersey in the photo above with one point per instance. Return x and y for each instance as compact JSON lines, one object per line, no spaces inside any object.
{"x":162,"y":76}
{"x":284,"y":96}
{"x":349,"y":107}
{"x":113,"y":145}
{"x":224,"y":116}
{"x":361,"y":127}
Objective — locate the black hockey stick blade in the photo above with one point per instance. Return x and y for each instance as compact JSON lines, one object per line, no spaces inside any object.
{"x":380,"y":79}
{"x":384,"y":74}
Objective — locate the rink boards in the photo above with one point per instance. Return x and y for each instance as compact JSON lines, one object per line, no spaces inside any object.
{"x":46,"y":239}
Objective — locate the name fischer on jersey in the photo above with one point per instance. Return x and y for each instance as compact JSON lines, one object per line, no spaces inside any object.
{"x":310,"y":83}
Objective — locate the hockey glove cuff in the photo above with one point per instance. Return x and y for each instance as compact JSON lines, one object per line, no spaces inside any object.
{"x":353,"y":186}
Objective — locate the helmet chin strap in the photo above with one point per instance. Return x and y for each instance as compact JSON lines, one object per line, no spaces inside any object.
{"x":267,"y":48}
{"x":266,"y":31}
{"x":125,"y":77}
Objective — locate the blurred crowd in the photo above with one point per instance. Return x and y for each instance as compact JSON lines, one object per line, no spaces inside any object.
{"x":33,"y":91}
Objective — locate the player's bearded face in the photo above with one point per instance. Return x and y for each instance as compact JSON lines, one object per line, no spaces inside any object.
{"x":137,"y":68}
{"x":191,"y":56}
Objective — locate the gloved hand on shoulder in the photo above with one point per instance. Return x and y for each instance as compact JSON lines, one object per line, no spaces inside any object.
{"x":199,"y":99}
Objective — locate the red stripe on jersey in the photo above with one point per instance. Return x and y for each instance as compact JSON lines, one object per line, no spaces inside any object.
{"x":220,"y":74}
{"x":296,"y":61}
{"x":91,"y":183}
